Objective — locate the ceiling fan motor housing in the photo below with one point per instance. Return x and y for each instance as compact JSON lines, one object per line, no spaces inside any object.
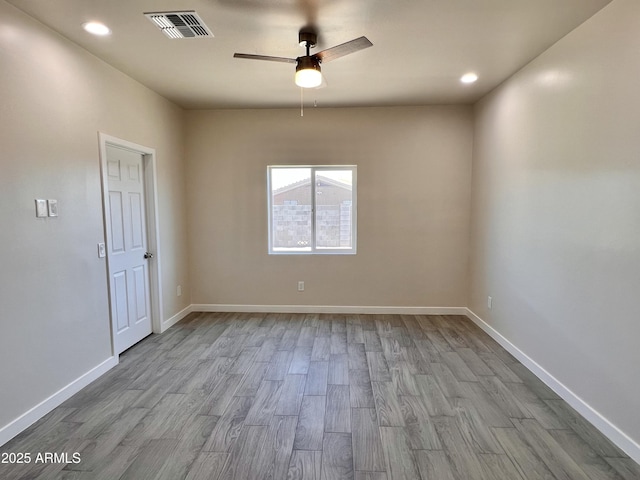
{"x":307,"y":37}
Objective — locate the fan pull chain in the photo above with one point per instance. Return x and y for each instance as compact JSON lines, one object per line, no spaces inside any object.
{"x":301,"y":102}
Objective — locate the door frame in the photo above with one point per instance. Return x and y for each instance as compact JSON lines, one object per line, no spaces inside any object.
{"x":153,"y":230}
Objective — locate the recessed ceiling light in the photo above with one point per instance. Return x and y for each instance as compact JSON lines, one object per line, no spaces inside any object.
{"x":96,"y":28}
{"x":469,"y":78}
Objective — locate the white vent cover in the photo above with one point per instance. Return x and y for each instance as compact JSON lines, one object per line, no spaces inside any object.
{"x":186,"y":24}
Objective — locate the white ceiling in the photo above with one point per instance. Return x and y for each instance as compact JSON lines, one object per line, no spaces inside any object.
{"x":421,"y":47}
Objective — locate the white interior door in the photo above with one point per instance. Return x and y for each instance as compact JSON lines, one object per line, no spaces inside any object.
{"x":127,"y":248}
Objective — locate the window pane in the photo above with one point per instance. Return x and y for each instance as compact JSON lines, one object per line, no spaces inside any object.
{"x":291,"y":209}
{"x":334,"y":209}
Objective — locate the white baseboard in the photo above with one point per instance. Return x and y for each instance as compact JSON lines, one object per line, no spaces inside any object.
{"x":176,"y":318}
{"x":341,"y":309}
{"x":16,"y":426}
{"x":612,"y":432}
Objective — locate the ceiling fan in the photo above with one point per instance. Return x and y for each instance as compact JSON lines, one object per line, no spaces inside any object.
{"x":308,"y":73}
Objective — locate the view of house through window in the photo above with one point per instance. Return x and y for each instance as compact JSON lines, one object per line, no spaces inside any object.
{"x":312,"y":209}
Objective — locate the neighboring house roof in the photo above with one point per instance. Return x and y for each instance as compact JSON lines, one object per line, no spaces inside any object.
{"x":307,"y":181}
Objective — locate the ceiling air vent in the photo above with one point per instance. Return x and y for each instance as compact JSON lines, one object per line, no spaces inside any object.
{"x":180,"y":24}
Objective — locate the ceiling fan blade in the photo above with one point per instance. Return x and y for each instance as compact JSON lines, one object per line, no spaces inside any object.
{"x":343,"y":49}
{"x":264,"y":57}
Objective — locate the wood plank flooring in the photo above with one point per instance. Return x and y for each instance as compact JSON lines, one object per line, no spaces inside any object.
{"x":318,"y":397}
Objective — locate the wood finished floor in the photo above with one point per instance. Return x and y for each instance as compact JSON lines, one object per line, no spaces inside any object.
{"x":319,"y":397}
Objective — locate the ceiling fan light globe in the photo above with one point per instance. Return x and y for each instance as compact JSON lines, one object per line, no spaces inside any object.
{"x":308,"y":78}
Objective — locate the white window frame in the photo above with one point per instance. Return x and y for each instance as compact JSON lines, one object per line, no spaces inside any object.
{"x":315,"y":250}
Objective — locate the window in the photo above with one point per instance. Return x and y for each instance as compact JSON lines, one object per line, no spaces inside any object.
{"x":312,"y":209}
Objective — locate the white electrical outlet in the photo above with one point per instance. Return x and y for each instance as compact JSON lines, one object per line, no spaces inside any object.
{"x":301,"y":286}
{"x":179,"y":291}
{"x":489,"y":302}
{"x":101,"y":250}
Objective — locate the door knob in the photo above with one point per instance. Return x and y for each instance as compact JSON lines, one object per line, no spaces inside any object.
{"x":148,"y":255}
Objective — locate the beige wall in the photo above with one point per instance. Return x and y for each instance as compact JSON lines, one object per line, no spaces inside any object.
{"x":54,"y":98}
{"x":556,"y":212}
{"x":413,"y":205}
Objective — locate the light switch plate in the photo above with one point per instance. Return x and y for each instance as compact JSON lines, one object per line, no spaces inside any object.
{"x":101,"y":250}
{"x":41,"y":208}
{"x":53,"y":208}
